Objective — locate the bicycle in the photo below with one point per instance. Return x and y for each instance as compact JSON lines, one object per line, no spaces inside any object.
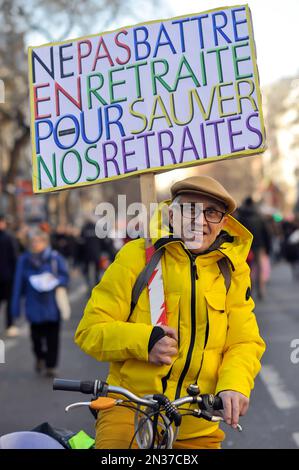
{"x":157,"y":419}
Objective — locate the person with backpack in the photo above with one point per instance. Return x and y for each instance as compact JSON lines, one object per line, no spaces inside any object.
{"x":211,"y":338}
{"x":39,"y":272}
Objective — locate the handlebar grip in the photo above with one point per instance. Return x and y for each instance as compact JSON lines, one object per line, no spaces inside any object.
{"x":73,"y":386}
{"x":218,"y":404}
{"x":210,"y":402}
{"x":67,"y":385}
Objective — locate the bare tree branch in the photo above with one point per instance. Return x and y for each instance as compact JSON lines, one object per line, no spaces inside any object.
{"x":52,"y":20}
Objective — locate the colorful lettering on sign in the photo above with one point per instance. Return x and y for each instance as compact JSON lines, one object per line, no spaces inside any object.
{"x":159,"y":95}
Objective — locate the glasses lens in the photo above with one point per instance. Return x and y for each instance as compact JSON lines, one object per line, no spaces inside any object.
{"x":193,"y":210}
{"x":213,"y":216}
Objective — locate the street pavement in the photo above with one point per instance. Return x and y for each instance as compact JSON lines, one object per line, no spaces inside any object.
{"x":27,"y":399}
{"x":272,"y":422}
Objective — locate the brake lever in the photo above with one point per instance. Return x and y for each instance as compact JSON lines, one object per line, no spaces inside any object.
{"x":101,"y":403}
{"x":208,"y":417}
{"x":77,"y":405}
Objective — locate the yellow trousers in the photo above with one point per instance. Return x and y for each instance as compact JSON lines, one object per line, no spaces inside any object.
{"x":115,"y":430}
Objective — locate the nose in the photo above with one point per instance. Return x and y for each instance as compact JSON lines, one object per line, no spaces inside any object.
{"x":204,"y":222}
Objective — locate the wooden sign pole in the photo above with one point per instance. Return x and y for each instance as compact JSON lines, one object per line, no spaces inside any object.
{"x":148,"y":196}
{"x":155,"y":284}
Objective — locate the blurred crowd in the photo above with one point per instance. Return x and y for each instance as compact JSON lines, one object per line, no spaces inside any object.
{"x":80,"y":247}
{"x":35,"y":259}
{"x":274,"y":239}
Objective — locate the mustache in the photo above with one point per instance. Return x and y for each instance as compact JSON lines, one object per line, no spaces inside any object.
{"x":193,"y":227}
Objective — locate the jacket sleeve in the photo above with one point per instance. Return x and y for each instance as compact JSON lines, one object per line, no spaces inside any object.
{"x":62,"y":271}
{"x":104,"y":332}
{"x":244,"y":346}
{"x":13,"y":252}
{"x":18,"y":289}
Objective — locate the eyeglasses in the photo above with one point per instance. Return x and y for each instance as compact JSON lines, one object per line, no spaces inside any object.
{"x":192,"y":210}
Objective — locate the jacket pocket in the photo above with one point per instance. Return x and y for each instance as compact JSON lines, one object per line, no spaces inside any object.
{"x":217,"y":318}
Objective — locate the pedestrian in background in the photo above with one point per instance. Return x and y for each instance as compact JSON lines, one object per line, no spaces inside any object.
{"x":8,"y":258}
{"x":259,"y":261}
{"x":291,"y":246}
{"x":40,"y":270}
{"x":97,"y":253}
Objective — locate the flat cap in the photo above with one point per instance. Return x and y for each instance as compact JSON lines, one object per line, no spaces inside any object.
{"x":206,"y":186}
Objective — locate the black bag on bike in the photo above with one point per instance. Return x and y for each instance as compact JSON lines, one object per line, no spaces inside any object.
{"x":60,"y":435}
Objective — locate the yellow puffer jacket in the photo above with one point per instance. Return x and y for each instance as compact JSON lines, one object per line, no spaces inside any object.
{"x":219,"y":342}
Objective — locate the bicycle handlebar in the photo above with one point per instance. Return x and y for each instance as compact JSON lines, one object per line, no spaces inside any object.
{"x":97,"y":387}
{"x":207,"y":402}
{"x":206,"y":405}
{"x":74,"y":386}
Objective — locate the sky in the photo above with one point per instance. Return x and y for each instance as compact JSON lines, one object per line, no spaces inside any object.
{"x":275,"y":26}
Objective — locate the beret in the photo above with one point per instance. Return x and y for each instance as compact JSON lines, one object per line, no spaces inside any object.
{"x":206,"y":186}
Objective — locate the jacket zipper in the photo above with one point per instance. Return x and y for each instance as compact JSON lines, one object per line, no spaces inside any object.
{"x":204,"y":347}
{"x":194,"y":277}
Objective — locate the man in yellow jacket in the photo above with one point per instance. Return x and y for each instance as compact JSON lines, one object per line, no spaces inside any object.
{"x":211,"y":338}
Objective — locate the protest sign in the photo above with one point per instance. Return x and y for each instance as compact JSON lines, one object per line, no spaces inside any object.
{"x":146,"y":98}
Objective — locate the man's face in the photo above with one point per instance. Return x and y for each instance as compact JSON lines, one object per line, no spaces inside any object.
{"x":197,"y":232}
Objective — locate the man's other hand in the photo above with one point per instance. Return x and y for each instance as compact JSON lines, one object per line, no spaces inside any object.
{"x":235,"y":404}
{"x":164,"y":349}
